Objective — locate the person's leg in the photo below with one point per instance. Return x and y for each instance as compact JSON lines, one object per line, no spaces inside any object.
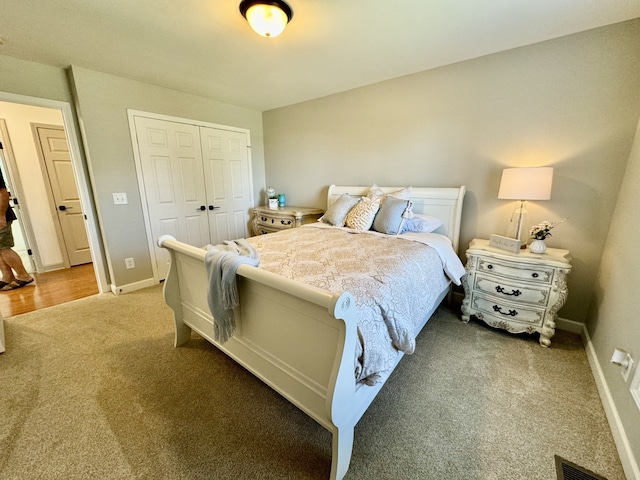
{"x":13,"y":260}
{"x":7,"y":273}
{"x":13,"y":271}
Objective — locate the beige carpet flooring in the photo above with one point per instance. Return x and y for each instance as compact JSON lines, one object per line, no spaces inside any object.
{"x":93,"y":389}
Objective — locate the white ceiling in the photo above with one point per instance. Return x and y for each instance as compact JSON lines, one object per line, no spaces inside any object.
{"x":205,"y":47}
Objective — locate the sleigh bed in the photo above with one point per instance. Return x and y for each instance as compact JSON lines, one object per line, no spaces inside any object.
{"x":299,"y":339}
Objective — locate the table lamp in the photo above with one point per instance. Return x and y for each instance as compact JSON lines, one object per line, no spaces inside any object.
{"x":522,"y":184}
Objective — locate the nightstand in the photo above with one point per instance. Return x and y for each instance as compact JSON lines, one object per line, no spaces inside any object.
{"x":517,"y":292}
{"x":266,"y":220}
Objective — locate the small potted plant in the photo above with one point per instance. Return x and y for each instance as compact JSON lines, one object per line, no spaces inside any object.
{"x":539,"y":233}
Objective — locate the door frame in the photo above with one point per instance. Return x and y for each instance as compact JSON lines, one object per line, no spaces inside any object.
{"x":82,"y":180}
{"x":15,"y":187}
{"x":131,"y":114}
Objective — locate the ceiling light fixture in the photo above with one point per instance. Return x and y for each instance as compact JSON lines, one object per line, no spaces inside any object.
{"x":267,"y":17}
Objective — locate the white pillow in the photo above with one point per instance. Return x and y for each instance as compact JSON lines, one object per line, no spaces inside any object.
{"x":337,"y":212}
{"x":361,"y":216}
{"x":421,"y":223}
{"x":402,"y":193}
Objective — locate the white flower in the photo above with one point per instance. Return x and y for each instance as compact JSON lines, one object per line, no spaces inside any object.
{"x":543,"y":229}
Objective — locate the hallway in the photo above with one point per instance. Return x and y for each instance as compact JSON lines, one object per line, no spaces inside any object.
{"x":51,"y":288}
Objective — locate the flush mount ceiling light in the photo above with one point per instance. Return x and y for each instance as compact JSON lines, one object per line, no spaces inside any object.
{"x":267,"y":17}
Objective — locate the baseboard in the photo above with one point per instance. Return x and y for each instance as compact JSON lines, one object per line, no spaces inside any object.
{"x":629,"y":462}
{"x":132,"y":287}
{"x":569,"y":326}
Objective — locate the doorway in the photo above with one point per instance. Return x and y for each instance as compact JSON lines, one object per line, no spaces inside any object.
{"x":52,"y":260}
{"x":21,"y":246}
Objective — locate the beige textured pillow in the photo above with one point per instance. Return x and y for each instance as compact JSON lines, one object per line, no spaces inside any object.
{"x":361,"y":216}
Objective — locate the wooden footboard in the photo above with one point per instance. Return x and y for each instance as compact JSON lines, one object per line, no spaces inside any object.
{"x":298,"y":339}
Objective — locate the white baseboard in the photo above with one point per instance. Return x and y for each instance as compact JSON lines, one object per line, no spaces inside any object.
{"x":569,"y":326}
{"x":629,"y":462}
{"x":132,"y":287}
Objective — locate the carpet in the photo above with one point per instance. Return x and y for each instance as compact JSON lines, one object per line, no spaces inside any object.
{"x":95,"y":389}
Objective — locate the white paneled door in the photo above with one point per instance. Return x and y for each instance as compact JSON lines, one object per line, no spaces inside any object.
{"x":55,"y":152}
{"x":227,"y":176}
{"x":196,"y":183}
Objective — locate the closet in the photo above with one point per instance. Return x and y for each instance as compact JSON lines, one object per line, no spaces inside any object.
{"x":195,"y":182}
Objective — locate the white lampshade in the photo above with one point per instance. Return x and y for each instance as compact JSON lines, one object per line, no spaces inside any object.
{"x":526,"y":183}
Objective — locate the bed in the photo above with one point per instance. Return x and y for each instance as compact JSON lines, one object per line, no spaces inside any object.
{"x":312,"y":365}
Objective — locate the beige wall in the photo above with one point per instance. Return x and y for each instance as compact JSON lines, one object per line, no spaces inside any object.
{"x":572,"y":103}
{"x":102,"y":102}
{"x":33,"y":79}
{"x":613,"y":320}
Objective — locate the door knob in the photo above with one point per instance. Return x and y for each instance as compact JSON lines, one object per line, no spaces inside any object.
{"x":62,"y":208}
{"x":202,"y":207}
{"x":211,"y":207}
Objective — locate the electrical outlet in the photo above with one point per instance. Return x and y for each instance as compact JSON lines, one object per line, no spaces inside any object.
{"x":129,"y":263}
{"x":627,"y":366}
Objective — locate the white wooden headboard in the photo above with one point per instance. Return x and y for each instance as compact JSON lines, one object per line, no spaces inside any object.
{"x":443,"y":203}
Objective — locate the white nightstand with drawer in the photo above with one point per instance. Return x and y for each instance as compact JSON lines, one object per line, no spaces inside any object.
{"x":517,"y":292}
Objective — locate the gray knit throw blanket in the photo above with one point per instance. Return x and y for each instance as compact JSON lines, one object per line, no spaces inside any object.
{"x":222,"y":262}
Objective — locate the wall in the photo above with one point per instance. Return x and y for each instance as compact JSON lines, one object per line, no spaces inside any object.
{"x":33,"y":79}
{"x":32,"y":178}
{"x":572,"y":103}
{"x":613,"y":315}
{"x":102,"y":101}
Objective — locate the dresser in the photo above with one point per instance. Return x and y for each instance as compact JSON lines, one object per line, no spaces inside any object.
{"x":518,"y":292}
{"x":267,"y":220}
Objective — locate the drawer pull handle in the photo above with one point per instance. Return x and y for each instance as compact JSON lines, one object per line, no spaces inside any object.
{"x":490,"y":267}
{"x":510,"y":313}
{"x":514,"y":293}
{"x":285,"y":222}
{"x":535,"y":275}
{"x":264,"y":219}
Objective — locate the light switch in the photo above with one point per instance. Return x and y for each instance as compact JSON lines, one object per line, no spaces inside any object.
{"x":120,"y":199}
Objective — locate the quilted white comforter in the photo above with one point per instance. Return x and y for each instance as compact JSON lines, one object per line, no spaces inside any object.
{"x":395,"y":283}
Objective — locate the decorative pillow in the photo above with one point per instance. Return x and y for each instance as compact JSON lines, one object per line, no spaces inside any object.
{"x":391,"y":216}
{"x":361,"y":216}
{"x":421,"y":224}
{"x":376,"y":191}
{"x":337,"y":212}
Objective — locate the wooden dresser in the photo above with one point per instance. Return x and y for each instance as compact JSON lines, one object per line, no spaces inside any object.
{"x":267,"y":220}
{"x":517,"y":292}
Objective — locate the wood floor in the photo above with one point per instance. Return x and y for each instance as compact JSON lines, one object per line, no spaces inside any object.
{"x":51,"y":288}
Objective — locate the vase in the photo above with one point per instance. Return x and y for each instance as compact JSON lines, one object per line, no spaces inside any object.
{"x":537,"y":246}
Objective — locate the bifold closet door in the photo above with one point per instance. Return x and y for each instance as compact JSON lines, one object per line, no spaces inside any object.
{"x":197,"y":183}
{"x":227,"y":183}
{"x":174,"y":189}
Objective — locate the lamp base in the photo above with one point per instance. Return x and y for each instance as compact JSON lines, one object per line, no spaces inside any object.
{"x":518,"y":219}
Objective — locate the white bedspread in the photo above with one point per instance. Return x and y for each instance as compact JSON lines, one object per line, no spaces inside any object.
{"x":394,"y":280}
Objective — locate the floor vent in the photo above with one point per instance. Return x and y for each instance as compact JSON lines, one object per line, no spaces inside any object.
{"x":570,"y":471}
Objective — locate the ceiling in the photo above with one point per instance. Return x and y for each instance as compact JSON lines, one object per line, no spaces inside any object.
{"x":205,"y":47}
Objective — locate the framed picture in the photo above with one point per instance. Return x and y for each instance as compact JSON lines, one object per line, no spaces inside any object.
{"x":505,"y":243}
